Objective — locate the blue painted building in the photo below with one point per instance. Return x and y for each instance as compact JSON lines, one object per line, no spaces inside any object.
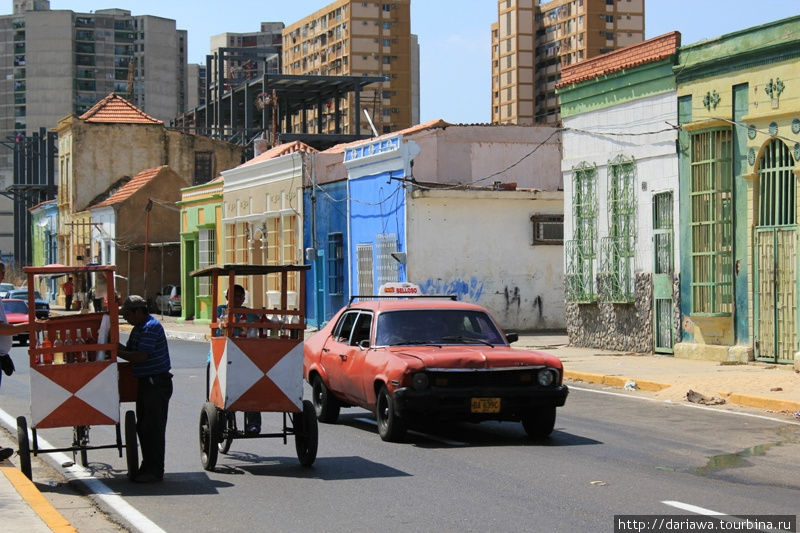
{"x":379,"y":174}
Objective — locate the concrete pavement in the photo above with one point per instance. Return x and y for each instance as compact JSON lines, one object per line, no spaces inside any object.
{"x":768,"y":388}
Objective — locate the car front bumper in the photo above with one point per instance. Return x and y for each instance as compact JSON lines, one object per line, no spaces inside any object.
{"x":455,"y":403}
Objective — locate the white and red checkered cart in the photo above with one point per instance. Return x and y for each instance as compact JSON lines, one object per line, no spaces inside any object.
{"x":256,"y":363}
{"x":77,"y":381}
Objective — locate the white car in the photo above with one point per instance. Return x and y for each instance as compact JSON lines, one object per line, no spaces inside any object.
{"x":168,"y":301}
{"x":5,"y":288}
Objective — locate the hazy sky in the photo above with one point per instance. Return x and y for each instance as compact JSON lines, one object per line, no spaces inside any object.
{"x":454,"y":35}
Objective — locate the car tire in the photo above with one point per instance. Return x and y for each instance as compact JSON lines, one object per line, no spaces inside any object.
{"x":539,"y":424}
{"x":326,"y":405}
{"x":390,"y":427}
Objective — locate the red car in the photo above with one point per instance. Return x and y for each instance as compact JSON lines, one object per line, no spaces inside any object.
{"x":16,"y":313}
{"x":429,"y":359}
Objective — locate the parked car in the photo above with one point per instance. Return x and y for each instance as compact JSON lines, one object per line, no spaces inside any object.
{"x":16,"y":312}
{"x":168,"y":301}
{"x":42,"y":307}
{"x":429,"y":359}
{"x":5,"y":288}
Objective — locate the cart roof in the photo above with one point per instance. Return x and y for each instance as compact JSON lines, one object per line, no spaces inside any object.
{"x":247,"y":270}
{"x":66,"y":269}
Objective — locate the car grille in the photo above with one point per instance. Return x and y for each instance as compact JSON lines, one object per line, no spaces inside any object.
{"x":483,"y":378}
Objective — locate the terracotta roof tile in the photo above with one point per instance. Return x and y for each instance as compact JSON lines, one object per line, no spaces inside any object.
{"x":137,"y":182}
{"x":430,"y":125}
{"x":279,"y":150}
{"x":648,"y":51}
{"x":115,"y":109}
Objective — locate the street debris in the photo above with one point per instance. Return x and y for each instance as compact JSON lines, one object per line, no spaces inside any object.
{"x":696,"y":397}
{"x":776,"y":389}
{"x":630,"y":385}
{"x":599,"y":483}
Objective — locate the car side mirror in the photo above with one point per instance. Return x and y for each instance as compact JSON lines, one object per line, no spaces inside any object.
{"x":364,"y":344}
{"x":512,"y":336}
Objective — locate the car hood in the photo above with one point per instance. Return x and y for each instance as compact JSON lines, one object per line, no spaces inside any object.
{"x":476,"y":356}
{"x":16,"y":318}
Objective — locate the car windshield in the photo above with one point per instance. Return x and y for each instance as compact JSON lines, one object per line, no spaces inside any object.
{"x":12,"y":306}
{"x":436,"y":326}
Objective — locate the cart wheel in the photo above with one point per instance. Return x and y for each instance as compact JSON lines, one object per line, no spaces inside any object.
{"x":209,"y":436}
{"x":131,"y":446}
{"x":229,"y":431}
{"x":306,"y":434}
{"x":80,"y":440}
{"x":24,"y":447}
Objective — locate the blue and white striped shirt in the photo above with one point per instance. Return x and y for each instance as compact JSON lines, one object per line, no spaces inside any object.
{"x":149,"y":338}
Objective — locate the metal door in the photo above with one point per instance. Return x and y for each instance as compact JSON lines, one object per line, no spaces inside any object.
{"x":663,"y":267}
{"x":776,"y":261}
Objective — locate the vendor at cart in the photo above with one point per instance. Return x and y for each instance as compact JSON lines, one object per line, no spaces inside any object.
{"x":148,"y":351}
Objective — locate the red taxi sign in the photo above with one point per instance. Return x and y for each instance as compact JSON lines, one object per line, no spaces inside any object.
{"x":399,"y":289}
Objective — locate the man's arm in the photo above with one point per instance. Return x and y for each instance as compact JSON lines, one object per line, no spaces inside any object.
{"x":12,"y":329}
{"x":129,"y":355}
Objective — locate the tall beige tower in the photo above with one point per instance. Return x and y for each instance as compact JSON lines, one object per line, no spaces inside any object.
{"x":354,"y":38}
{"x":532,"y":41}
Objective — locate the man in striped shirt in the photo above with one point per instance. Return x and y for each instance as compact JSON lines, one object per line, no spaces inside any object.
{"x":148,"y":352}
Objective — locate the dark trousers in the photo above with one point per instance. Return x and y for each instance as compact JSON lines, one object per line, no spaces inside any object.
{"x":152,"y":403}
{"x":68,"y":302}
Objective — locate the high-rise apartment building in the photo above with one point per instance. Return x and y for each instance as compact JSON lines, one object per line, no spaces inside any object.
{"x":352,"y":38}
{"x":57,"y":62}
{"x":532,"y":41}
{"x":247,"y":55}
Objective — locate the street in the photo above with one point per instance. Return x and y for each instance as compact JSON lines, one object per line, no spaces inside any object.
{"x":610,"y":454}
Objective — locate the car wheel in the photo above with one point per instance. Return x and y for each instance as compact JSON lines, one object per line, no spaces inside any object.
{"x":539,"y":424}
{"x":390,"y":427}
{"x":326,"y":405}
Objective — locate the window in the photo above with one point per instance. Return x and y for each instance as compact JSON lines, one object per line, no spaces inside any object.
{"x":364,"y":257}
{"x":710,"y":196}
{"x":617,"y":250}
{"x":580,"y":251}
{"x":548,"y":229}
{"x":206,"y":257}
{"x":335,"y":264}
{"x":387,"y":265}
{"x":203,"y":167}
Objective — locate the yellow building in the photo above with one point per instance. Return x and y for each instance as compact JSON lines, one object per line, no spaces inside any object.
{"x":353,"y":38}
{"x":531,"y":42}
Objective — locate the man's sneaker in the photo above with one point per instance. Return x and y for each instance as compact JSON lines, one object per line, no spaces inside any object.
{"x":5,"y":453}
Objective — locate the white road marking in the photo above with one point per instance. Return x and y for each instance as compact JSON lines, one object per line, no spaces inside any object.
{"x":708,"y":512}
{"x":96,"y":487}
{"x":425,"y":435}
{"x":681,"y":404}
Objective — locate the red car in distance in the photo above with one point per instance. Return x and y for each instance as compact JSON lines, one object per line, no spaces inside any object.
{"x":16,"y":313}
{"x":429,"y":359}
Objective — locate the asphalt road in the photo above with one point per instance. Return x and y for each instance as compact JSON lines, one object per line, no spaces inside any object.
{"x":611,"y":454}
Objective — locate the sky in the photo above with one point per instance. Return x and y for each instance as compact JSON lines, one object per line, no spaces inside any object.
{"x":454,"y":35}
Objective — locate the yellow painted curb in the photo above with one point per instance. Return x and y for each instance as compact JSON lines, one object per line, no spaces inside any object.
{"x":760,"y":402}
{"x":36,"y":501}
{"x":614,"y":381}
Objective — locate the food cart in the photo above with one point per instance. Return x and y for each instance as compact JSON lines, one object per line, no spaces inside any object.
{"x":256,"y":365}
{"x":75,"y":379}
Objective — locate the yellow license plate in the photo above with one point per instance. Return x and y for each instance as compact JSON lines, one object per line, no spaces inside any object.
{"x":485,"y":405}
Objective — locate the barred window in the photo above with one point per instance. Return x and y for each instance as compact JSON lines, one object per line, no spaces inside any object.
{"x":206,"y":257}
{"x":335,"y":263}
{"x":711,"y":222}
{"x":580,"y":251}
{"x":617,"y":250}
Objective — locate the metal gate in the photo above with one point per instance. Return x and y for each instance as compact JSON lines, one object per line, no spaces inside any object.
{"x":663,"y":266}
{"x":776,"y":261}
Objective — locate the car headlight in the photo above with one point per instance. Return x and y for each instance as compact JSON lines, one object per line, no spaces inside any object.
{"x":419,"y":381}
{"x":546,"y":377}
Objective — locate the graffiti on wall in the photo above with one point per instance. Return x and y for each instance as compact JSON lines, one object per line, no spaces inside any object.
{"x":469,"y":290}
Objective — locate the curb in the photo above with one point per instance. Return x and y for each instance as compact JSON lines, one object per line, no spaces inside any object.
{"x":758,"y":402}
{"x":31,"y":495}
{"x":182,"y":335}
